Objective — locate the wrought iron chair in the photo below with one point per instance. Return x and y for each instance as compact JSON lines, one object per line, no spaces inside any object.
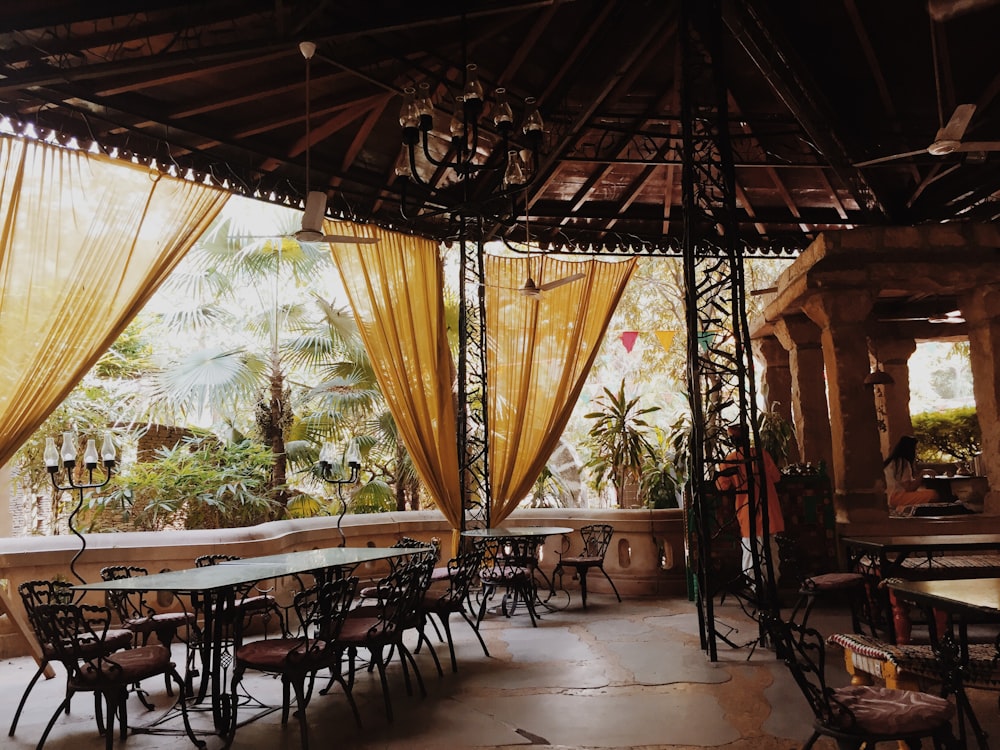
{"x":442,"y":603}
{"x":321,"y":611}
{"x":73,"y":630}
{"x":34,"y":594}
{"x":370,"y":592}
{"x":509,"y":563}
{"x":250,"y":601}
{"x":380,"y":626}
{"x":596,"y":538}
{"x":857,"y":716}
{"x":137,"y":615}
{"x":820,"y":585}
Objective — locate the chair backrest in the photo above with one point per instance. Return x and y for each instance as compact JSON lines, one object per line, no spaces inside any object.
{"x":596,"y":538}
{"x":803,"y":650}
{"x":74,"y":632}
{"x":321,"y":610}
{"x":507,"y":557}
{"x":37,"y":593}
{"x":400,"y":594}
{"x":462,"y":570}
{"x":206,"y":560}
{"x":129,"y":605}
{"x":397,"y":562}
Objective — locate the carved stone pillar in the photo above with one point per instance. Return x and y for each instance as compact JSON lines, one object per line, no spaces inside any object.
{"x":894,"y":355}
{"x":810,"y":413}
{"x":776,"y":384}
{"x":981,"y":309}
{"x":857,"y":460}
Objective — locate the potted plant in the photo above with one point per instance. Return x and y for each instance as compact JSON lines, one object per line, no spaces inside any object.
{"x":618,"y":441}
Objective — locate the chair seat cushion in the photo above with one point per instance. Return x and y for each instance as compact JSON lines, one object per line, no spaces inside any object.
{"x":833,"y":581}
{"x":159,"y":621}
{"x":124,"y":667}
{"x":280,"y":653}
{"x":502,"y":575}
{"x":359,"y":628}
{"x":582,"y":560}
{"x":114,"y":639}
{"x":441,"y":574}
{"x":884,"y":711}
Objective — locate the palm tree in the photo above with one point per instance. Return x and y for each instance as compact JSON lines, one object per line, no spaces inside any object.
{"x":253,"y":289}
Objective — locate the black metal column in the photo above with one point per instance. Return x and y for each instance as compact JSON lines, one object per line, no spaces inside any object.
{"x":720,"y":367}
{"x":473,"y":428}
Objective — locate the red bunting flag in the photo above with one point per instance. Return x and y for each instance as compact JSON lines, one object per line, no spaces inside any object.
{"x":628,"y":340}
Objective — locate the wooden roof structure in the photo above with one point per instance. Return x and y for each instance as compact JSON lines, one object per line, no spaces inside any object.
{"x":218,"y":87}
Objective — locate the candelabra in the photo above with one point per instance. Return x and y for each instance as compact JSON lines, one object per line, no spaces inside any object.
{"x":332,"y":473}
{"x":516,"y":166}
{"x":67,"y":454}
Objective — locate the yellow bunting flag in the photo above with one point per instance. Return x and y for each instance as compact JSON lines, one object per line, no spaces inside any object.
{"x":666,"y":339}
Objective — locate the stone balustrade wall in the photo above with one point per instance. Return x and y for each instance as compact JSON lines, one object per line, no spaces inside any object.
{"x":646,"y":556}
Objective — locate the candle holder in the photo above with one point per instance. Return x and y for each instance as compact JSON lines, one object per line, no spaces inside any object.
{"x":330,"y":473}
{"x":66,"y":455}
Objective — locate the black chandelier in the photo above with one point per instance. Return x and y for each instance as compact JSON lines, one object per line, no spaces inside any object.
{"x":469,"y":156}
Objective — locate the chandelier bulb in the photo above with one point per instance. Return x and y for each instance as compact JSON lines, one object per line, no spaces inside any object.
{"x":532,"y":118}
{"x":503,"y":116}
{"x":409,"y":115}
{"x":457,"y":127}
{"x":473,"y":88}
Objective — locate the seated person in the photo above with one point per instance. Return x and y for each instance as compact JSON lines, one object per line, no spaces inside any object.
{"x":902,"y":485}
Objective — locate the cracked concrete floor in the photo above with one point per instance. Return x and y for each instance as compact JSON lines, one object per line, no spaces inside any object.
{"x":625,"y":675}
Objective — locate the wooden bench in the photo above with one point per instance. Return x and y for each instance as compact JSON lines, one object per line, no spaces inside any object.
{"x":903,"y":667}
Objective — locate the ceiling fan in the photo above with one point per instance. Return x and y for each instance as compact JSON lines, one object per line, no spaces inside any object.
{"x":315,"y":208}
{"x":533,"y":290}
{"x":948,"y":139}
{"x":952,"y":317}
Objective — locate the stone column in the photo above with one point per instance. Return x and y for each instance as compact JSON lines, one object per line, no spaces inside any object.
{"x":859,"y":488}
{"x":894,"y":356}
{"x":776,"y":384}
{"x":810,"y":413}
{"x":981,"y":309}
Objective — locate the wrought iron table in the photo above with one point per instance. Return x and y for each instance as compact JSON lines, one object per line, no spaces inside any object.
{"x":961,"y":600}
{"x":212,"y":590}
{"x":917,"y":556}
{"x":534,"y":536}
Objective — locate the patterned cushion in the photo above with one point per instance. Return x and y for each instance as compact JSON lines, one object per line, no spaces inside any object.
{"x":880,"y":710}
{"x":982,"y":670}
{"x":356,"y":629}
{"x":276,"y":653}
{"x":113,"y":640}
{"x":130,"y":665}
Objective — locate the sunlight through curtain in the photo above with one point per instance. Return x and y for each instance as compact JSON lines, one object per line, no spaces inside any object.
{"x":395,"y":291}
{"x":86,"y":241}
{"x":539,"y":352}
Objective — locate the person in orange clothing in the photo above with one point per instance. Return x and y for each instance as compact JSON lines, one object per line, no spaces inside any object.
{"x":732,"y":477}
{"x":902,"y":484}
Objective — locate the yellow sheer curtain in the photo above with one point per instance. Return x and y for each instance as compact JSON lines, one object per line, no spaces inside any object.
{"x":85,"y":242}
{"x":395,"y":291}
{"x":538,"y":354}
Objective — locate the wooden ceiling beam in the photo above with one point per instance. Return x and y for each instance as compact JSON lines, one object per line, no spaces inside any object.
{"x":748,"y":21}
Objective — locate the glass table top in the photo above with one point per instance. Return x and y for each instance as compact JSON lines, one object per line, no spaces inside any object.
{"x":501,"y":532}
{"x":251,"y":569}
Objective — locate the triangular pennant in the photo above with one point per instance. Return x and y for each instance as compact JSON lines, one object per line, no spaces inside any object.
{"x":666,"y":338}
{"x":705,"y":340}
{"x":628,"y":340}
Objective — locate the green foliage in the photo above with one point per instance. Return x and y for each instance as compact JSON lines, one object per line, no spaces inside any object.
{"x":775,"y":434}
{"x":201,"y":482}
{"x":618,"y":439}
{"x":661,"y":481}
{"x":951,"y":435}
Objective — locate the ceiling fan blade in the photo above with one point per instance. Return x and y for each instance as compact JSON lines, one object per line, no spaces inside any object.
{"x":954,"y":129}
{"x":893,"y":157}
{"x":979,"y":146}
{"x":556,"y":283}
{"x":345,"y":239}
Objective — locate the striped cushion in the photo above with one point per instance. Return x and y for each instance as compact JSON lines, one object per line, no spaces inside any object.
{"x":869,"y":654}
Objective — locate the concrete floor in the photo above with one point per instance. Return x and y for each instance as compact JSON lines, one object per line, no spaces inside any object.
{"x":625,"y":675}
